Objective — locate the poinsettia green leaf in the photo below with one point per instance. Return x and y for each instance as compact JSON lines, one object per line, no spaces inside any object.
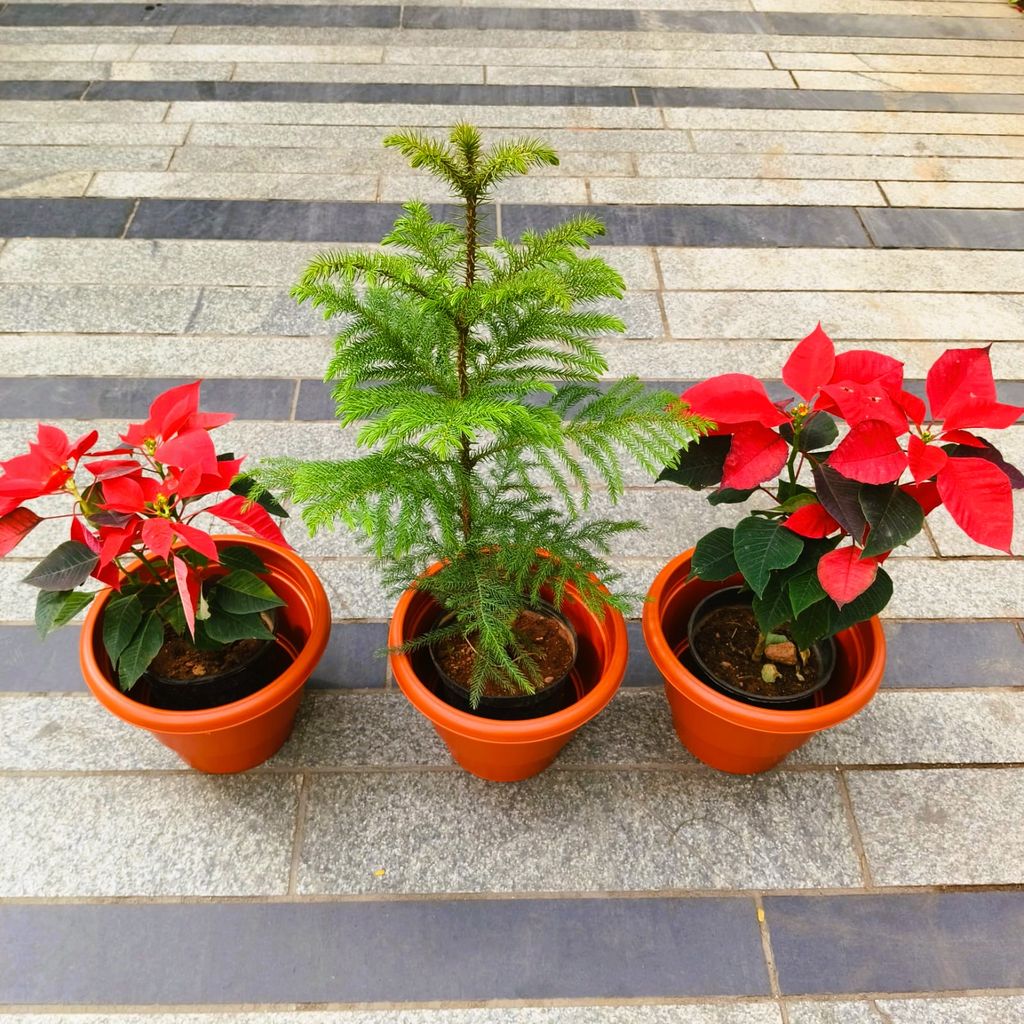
{"x":761,"y":545}
{"x":805,"y":590}
{"x":701,"y":464}
{"x":242,"y":592}
{"x":713,"y":557}
{"x":868,"y":604}
{"x":67,"y":566}
{"x":819,"y":431}
{"x":894,"y":517}
{"x":772,"y":610}
{"x":143,"y":647}
{"x":55,"y":608}
{"x":224,"y":628}
{"x":238,"y":556}
{"x":121,"y":617}
{"x":729,"y":496}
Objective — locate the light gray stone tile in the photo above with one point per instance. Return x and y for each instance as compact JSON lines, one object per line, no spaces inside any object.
{"x":26,"y":184}
{"x":958,"y":194}
{"x":923,"y":8}
{"x":167,"y":71}
{"x":401,"y":187}
{"x":615,"y":74}
{"x":32,"y":53}
{"x":170,"y":835}
{"x":684,"y":1013}
{"x":80,"y":35}
{"x":942,"y":827}
{"x":736,"y":191}
{"x":294,"y":72}
{"x":413,"y":115}
{"x":914,"y":62}
{"x":830,"y":270}
{"x":951,"y":540}
{"x":31,"y":71}
{"x":100,"y":355}
{"x":963,"y":1010}
{"x":262,"y":54}
{"x":44,"y":111}
{"x":38,"y":159}
{"x":840,"y":121}
{"x":65,"y":134}
{"x":74,"y":732}
{"x":256,"y":310}
{"x":110,"y":309}
{"x":875,"y":80}
{"x":899,"y":316}
{"x":660,"y":830}
{"x":933,"y":727}
{"x":832,"y":167}
{"x":871,"y":143}
{"x":580,"y":56}
{"x":348,"y":187}
{"x":833,"y":1013}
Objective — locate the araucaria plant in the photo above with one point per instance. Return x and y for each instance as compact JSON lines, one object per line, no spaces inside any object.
{"x":131,"y":513}
{"x":473,"y":372}
{"x":813,"y":556}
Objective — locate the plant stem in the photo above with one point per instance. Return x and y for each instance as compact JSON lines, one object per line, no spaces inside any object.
{"x":462,"y":331}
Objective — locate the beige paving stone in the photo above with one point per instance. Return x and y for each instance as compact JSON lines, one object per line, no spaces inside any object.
{"x":296,"y":72}
{"x":786,"y":830}
{"x":953,"y":542}
{"x":906,"y":821}
{"x":1000,"y":196}
{"x":86,"y":158}
{"x":919,"y":8}
{"x":946,"y":65}
{"x":832,"y":167}
{"x":560,"y":57}
{"x":884,"y":270}
{"x":31,"y":53}
{"x":953,"y":316}
{"x":627,"y":76}
{"x":267,"y":54}
{"x":54,"y":71}
{"x":780,"y":144}
{"x":72,"y":836}
{"x":65,"y":134}
{"x":413,"y":115}
{"x":947,"y":1010}
{"x":399,"y":188}
{"x":139,"y":71}
{"x":875,"y":80}
{"x":27,"y":184}
{"x":741,"y":191}
{"x":843,"y":121}
{"x":104,"y":35}
{"x":336,"y":187}
{"x":39,"y":111}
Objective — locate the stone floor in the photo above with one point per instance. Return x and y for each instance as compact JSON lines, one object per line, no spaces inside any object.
{"x":166,"y":169}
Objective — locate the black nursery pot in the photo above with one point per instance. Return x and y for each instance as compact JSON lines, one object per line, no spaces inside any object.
{"x":262,"y":667}
{"x":733,"y":597}
{"x":515,"y":706}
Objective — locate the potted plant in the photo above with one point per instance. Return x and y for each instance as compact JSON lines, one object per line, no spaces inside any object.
{"x":475,"y":375}
{"x":768,"y":632}
{"x":206,"y":641}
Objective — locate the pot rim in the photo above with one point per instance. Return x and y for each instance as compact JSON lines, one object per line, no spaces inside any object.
{"x":529,"y":730}
{"x":225,"y":716}
{"x":770,"y":720}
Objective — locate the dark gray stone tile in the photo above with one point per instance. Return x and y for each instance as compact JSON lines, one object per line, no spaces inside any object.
{"x":63,"y":218}
{"x":352,"y":659}
{"x":41,"y":90}
{"x":640,"y":669}
{"x":943,"y":229}
{"x":373,"y":92}
{"x":277,"y":220}
{"x":581,"y":19}
{"x":129,"y":397}
{"x":892,"y":26}
{"x":898,"y":943}
{"x":374,"y":951}
{"x":953,"y":654}
{"x":829,"y":99}
{"x":773,"y":226}
{"x":156,"y":14}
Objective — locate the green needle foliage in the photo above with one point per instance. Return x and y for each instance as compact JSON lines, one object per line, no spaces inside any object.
{"x":473,"y":372}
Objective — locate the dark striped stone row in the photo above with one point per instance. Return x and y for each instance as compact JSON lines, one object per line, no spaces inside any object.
{"x":496,"y":18}
{"x":513,"y":95}
{"x":287,"y":220}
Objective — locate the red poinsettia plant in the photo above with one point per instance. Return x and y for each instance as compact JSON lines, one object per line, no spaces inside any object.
{"x":132,"y":529}
{"x":813,"y":558}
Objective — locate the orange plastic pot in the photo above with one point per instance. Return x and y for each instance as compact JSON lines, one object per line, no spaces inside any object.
{"x":726,"y":733}
{"x":508,"y":751}
{"x":238,"y":736}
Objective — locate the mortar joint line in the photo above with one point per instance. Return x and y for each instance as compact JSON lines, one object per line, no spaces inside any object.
{"x":883,"y":1015}
{"x":299,"y":835}
{"x":131,"y":217}
{"x":769,"y":956}
{"x":851,"y":820}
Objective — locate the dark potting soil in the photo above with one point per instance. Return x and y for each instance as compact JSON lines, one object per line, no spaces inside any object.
{"x":547,"y":645}
{"x":726,"y":641}
{"x":179,"y":660}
